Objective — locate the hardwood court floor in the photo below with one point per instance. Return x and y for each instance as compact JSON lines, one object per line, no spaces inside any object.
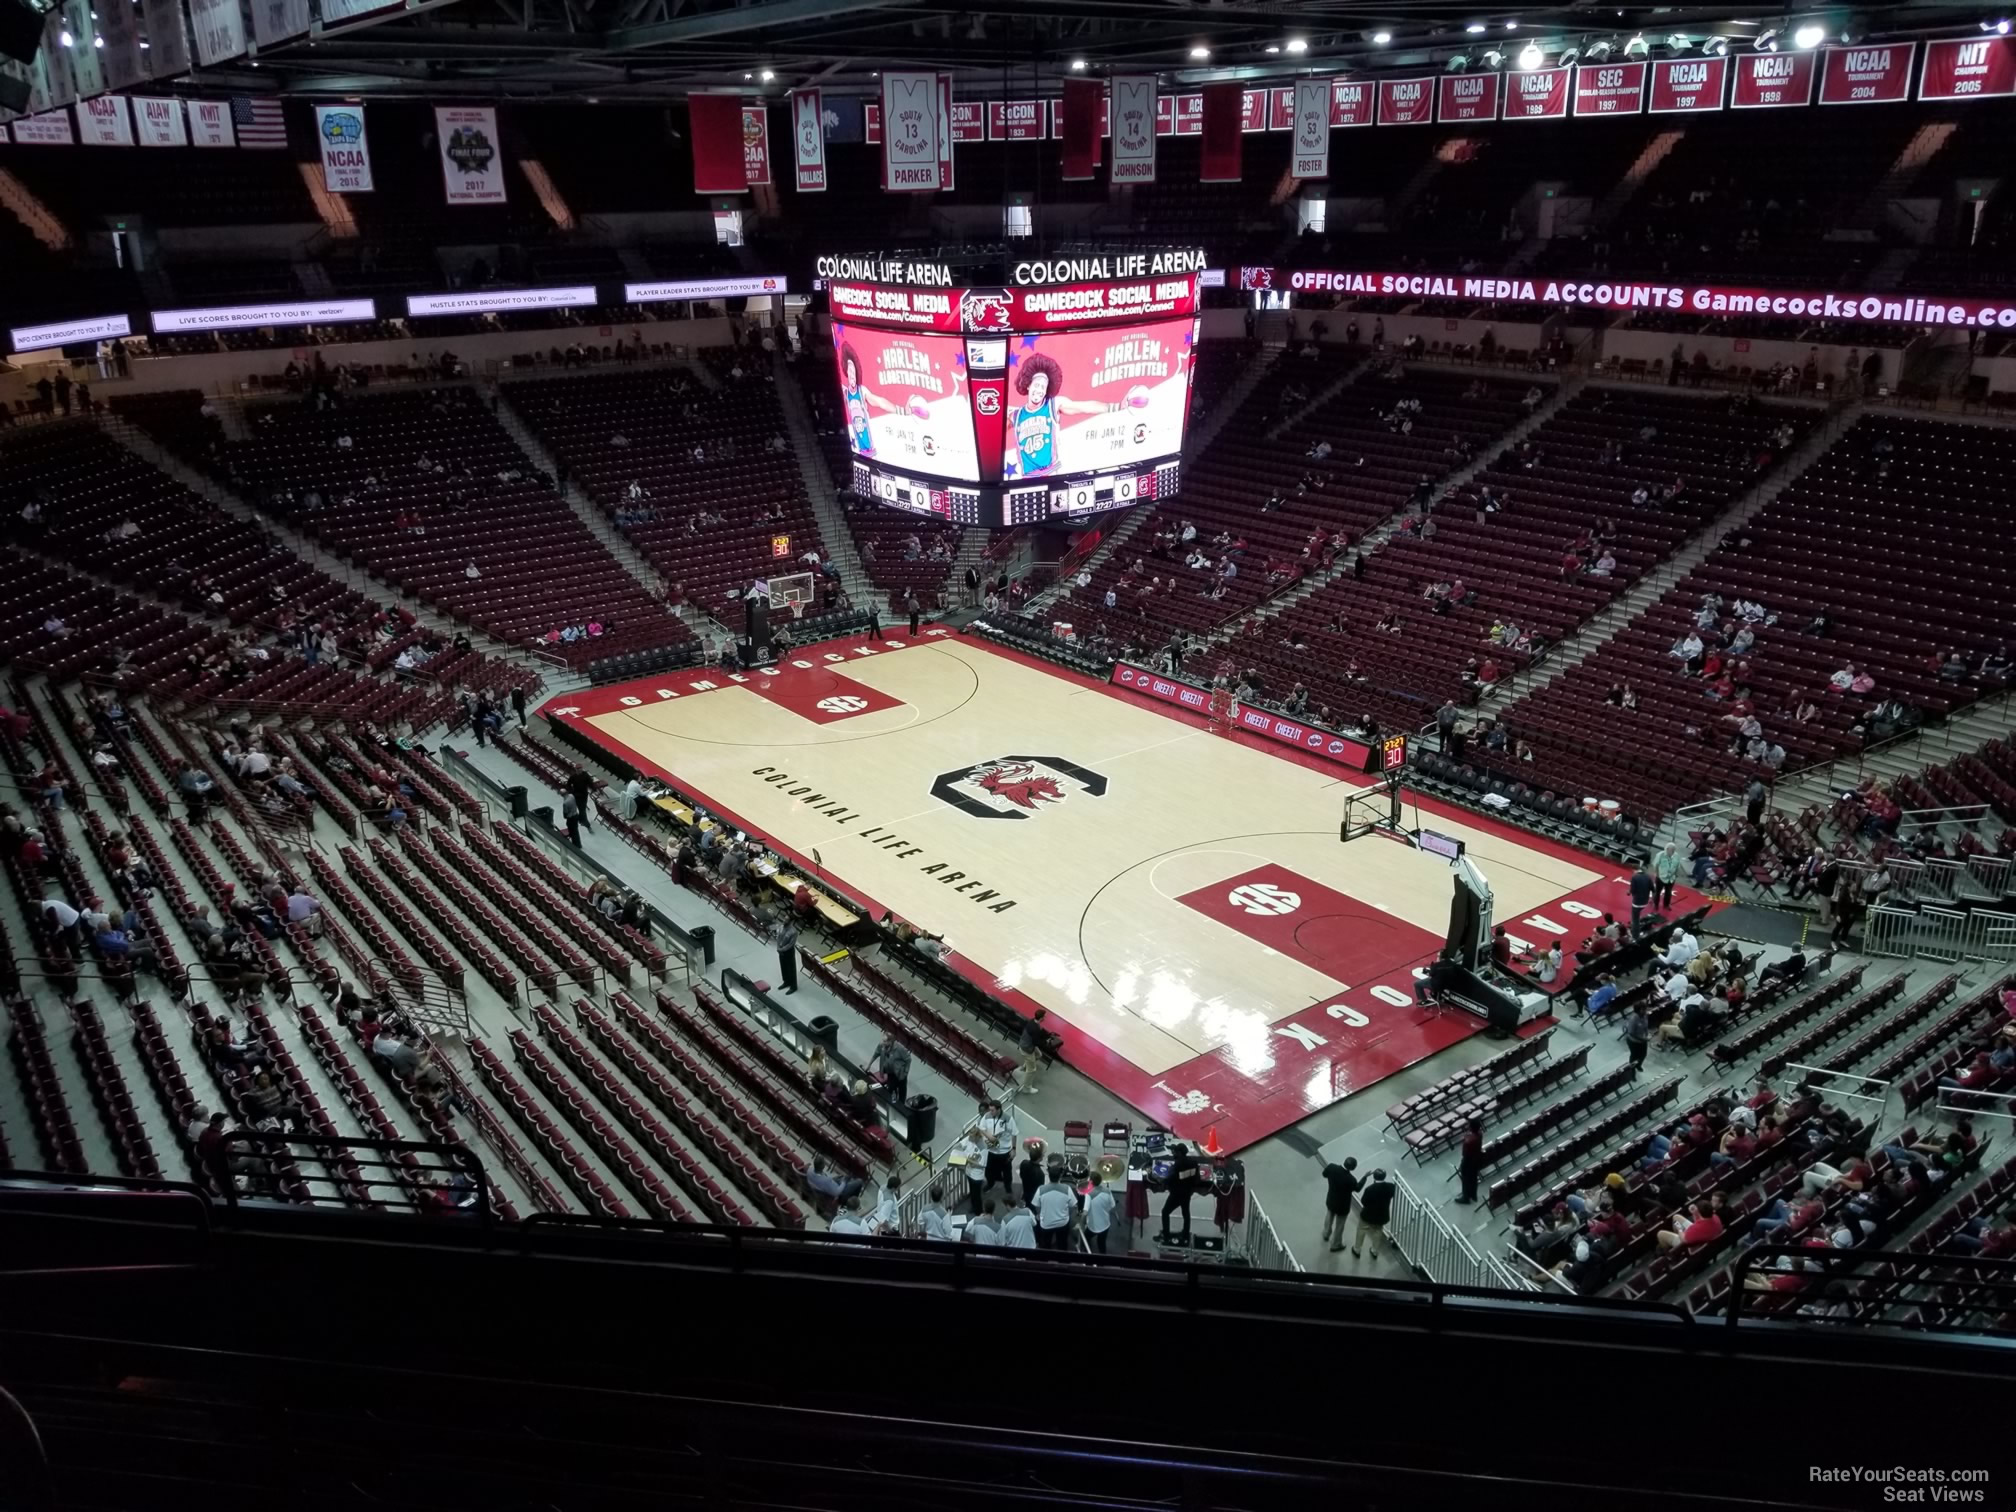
{"x":1177,"y":898}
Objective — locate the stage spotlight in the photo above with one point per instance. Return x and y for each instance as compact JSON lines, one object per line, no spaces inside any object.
{"x":1199,"y":53}
{"x":1569,"y":55}
{"x":1809,"y":36}
{"x":2000,"y":28}
{"x":1077,"y":65}
{"x":1680,"y":42}
{"x":1297,"y":45}
{"x":1530,"y":56}
{"x":1494,"y":59}
{"x":1474,"y":28}
{"x":1637,"y":47}
{"x":1457,"y":63}
{"x":1381,"y":38}
{"x":1767,"y":41}
{"x":1596,"y":52}
{"x":1716,"y":47}
{"x":768,"y":76}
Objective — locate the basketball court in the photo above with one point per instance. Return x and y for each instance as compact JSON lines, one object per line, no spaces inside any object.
{"x":1176,"y":896}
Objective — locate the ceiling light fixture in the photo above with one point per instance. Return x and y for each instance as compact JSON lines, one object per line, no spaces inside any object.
{"x":1381,"y":38}
{"x":1474,"y":28}
{"x":1199,"y":53}
{"x":1767,"y":40}
{"x":1636,"y":47}
{"x":1530,"y":56}
{"x":1273,"y":47}
{"x":1809,"y":36}
{"x":65,"y":38}
{"x":1511,"y":26}
{"x":768,"y":76}
{"x":1297,"y":45}
{"x":1716,"y":47}
{"x":1596,"y":52}
{"x":1077,"y":65}
{"x":1457,"y":63}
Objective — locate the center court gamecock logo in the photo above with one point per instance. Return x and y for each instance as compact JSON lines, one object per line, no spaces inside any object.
{"x":1016,"y":787}
{"x":985,"y":310}
{"x":1264,"y":899}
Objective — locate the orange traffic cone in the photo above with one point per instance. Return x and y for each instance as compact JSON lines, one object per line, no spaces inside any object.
{"x":1211,"y":1145}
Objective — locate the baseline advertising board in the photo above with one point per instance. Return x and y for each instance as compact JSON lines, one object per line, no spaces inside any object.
{"x":1354,"y":755}
{"x":1091,"y":401}
{"x":905,"y":397}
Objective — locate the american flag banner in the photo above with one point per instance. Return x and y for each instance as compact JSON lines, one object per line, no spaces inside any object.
{"x":259,"y":123}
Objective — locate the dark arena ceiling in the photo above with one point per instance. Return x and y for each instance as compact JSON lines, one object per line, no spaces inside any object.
{"x":640,"y":50}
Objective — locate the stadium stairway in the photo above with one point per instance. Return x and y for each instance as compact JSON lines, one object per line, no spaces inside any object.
{"x":1648,"y":590}
{"x":598,"y":524}
{"x":559,"y":678}
{"x":819,"y":485}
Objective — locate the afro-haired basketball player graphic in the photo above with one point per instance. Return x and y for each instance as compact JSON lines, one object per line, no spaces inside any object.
{"x":1032,"y":429}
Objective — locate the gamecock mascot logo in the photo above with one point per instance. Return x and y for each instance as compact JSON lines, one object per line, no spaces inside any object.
{"x":1016,"y":787}
{"x":985,"y":310}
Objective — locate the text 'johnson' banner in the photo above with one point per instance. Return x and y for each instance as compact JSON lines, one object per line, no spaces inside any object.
{"x":1342,"y":749}
{"x":1695,"y":299}
{"x":1134,"y":114}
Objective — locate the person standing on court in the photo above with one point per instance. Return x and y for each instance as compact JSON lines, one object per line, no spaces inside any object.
{"x":518,"y":705}
{"x":1030,"y":1172}
{"x":1642,"y":888}
{"x":911,"y":608}
{"x":874,"y":620}
{"x":1637,"y":1036}
{"x":785,"y":940}
{"x":1471,"y":1161}
{"x":1666,"y":872}
{"x":1375,"y":1207}
{"x":972,"y":586}
{"x":1182,"y":1187}
{"x":1342,"y":1183}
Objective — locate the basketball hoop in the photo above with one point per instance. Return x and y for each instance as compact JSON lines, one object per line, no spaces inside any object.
{"x":794,"y":592}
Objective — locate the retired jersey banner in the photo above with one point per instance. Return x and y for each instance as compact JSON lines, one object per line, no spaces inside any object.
{"x":274,"y":21}
{"x":1310,"y":145}
{"x":87,"y":53}
{"x":167,"y":38}
{"x":912,"y":146}
{"x":219,"y":30}
{"x":1538,"y":94}
{"x":1080,"y":121}
{"x":1223,"y":134}
{"x":1877,"y":74}
{"x":1353,"y":102}
{"x":1609,"y":89}
{"x":1466,"y":97}
{"x":1133,"y":112}
{"x":756,"y":142}
{"x":1969,"y":68}
{"x":346,"y":156}
{"x":1406,"y":102}
{"x":472,"y":159}
{"x":210,"y":124}
{"x":1770,"y":81}
{"x":945,"y":166}
{"x":159,"y":123}
{"x":1682,"y":86}
{"x":1016,"y":121}
{"x":103,"y":122}
{"x":808,"y":140}
{"x":58,"y":87}
{"x":125,"y":63}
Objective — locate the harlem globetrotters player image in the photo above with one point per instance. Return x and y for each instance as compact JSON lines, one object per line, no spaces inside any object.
{"x":855,"y":393}
{"x":1032,"y":429}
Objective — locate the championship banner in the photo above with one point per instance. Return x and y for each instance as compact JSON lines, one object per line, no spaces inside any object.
{"x":946,"y":176}
{"x":103,"y":122}
{"x":1186,"y":115}
{"x":1015,"y":121}
{"x":274,"y":21}
{"x":1253,"y":110}
{"x":808,"y":140}
{"x":969,"y":121}
{"x":51,"y":130}
{"x":472,"y":163}
{"x":167,"y":39}
{"x":1281,"y":109}
{"x":1609,"y":89}
{"x":1080,"y":120}
{"x":87,"y":66}
{"x":1223,"y":134}
{"x":1770,"y":81}
{"x":159,"y":123}
{"x":1466,"y":97}
{"x":1682,"y":86}
{"x":1134,"y":112}
{"x":714,"y":123}
{"x":1057,"y":118}
{"x":756,"y":142}
{"x":1310,"y":114}
{"x":210,"y":124}
{"x":871,"y":124}
{"x":346,"y":156}
{"x":125,"y":64}
{"x":1878,"y":74}
{"x":1969,"y":68}
{"x":219,"y":30}
{"x":1539,"y":94}
{"x":1352,"y":102}
{"x":912,"y":154}
{"x":1406,"y":102}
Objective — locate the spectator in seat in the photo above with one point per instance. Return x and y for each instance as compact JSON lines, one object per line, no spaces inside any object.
{"x":1699,"y":1224}
{"x":400,"y":1053}
{"x":266,"y":1102}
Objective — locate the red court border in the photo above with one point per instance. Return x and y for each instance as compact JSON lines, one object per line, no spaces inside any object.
{"x":1186,"y":1097}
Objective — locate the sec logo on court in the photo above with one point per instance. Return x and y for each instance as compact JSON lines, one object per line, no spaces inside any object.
{"x":843,"y":703}
{"x":1264,"y":899}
